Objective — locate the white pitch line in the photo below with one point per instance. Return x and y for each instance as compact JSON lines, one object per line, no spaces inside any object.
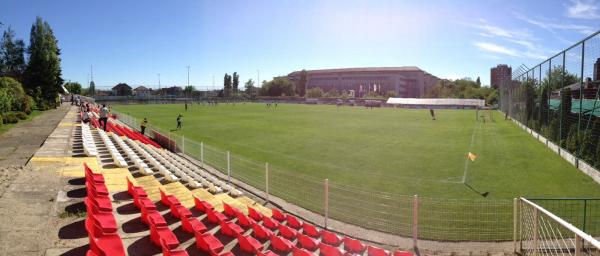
{"x":464,"y":178}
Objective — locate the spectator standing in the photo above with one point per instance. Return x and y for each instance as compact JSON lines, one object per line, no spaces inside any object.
{"x":179,"y":121}
{"x":103,"y":116}
{"x":143,"y":126}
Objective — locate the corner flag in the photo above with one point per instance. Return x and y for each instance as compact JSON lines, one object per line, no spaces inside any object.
{"x":472,"y":156}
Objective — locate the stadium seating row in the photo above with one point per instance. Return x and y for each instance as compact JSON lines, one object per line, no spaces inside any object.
{"x":89,"y":145}
{"x":100,"y":222}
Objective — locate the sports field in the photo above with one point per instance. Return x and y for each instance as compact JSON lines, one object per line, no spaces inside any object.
{"x":393,"y":150}
{"x":376,"y":159}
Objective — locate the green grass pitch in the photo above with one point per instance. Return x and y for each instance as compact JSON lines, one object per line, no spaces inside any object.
{"x":396,"y":151}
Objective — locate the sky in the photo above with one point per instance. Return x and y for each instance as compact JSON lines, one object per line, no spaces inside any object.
{"x":134,"y":41}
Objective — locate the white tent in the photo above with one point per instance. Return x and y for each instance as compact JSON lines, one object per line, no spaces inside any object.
{"x":437,"y":102}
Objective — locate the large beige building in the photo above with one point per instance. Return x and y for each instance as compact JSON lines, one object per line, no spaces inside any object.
{"x":405,"y":81}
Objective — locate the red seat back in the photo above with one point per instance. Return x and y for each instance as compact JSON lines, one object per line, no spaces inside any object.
{"x":353,"y":245}
{"x":307,"y":242}
{"x":287,"y":232}
{"x":270,"y":223}
{"x":254,"y":214}
{"x":278,"y":215}
{"x":310,"y":230}
{"x":202,"y":206}
{"x":376,"y":251}
{"x":261,"y":232}
{"x":293,"y":222}
{"x":328,"y":250}
{"x":330,"y":238}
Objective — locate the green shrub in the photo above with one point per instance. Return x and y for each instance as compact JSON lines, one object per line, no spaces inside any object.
{"x":16,"y":92}
{"x":10,"y":118}
{"x":314,"y":92}
{"x":21,"y":115}
{"x":28,"y":104}
{"x":5,"y":100}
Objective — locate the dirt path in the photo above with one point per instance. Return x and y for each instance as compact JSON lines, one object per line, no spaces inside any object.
{"x":18,"y":144}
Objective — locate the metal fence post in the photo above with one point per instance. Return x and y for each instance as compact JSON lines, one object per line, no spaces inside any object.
{"x":228,"y":167}
{"x":536,"y":242}
{"x":183,"y":143}
{"x":515,"y":218}
{"x":415,"y":224}
{"x":326,"y":199}
{"x":267,"y":182}
{"x":578,"y":245}
{"x":202,"y":154}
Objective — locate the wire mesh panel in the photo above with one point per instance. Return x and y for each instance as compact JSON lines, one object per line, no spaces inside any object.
{"x":582,"y":213}
{"x":542,"y":232}
{"x":464,"y":219}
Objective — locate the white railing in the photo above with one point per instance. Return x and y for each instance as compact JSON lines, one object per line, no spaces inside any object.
{"x":542,"y":232}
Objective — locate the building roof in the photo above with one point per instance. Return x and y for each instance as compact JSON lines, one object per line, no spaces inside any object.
{"x":141,"y":88}
{"x":121,"y":85}
{"x":365,"y":69}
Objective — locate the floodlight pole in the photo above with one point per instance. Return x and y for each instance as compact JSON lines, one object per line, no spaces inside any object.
{"x":188,"y":80}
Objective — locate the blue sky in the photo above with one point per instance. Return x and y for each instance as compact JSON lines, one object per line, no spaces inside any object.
{"x":133,"y":41}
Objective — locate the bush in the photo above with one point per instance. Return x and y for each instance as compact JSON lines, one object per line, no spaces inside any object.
{"x":15,"y":90}
{"x":28,"y":104}
{"x":21,"y":115}
{"x":10,"y":118}
{"x":5,"y":100}
{"x":314,"y":92}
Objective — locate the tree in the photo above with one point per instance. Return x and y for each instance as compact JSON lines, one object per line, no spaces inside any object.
{"x":92,"y":89}
{"x":188,"y":90}
{"x":530,"y":95}
{"x":277,"y":87}
{"x":43,"y":73}
{"x":251,"y":90}
{"x":314,"y":92}
{"x":478,"y":82}
{"x":301,"y":89}
{"x":73,"y":87}
{"x":236,"y":81}
{"x":565,"y":108}
{"x":16,"y":97}
{"x":12,"y":55}
{"x":227,"y":85}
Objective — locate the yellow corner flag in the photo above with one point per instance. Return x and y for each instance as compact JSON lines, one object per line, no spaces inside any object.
{"x":472,"y":156}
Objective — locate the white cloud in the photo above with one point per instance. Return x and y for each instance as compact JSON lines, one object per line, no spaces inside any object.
{"x":495,"y":48}
{"x":583,"y":10}
{"x":552,"y":25}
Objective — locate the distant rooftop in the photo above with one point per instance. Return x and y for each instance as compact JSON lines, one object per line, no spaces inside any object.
{"x":365,"y":69}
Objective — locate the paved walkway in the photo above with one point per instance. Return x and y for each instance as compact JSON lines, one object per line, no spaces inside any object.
{"x":18,"y":144}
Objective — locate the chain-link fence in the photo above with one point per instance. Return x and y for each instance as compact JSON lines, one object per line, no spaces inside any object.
{"x":558,"y":99}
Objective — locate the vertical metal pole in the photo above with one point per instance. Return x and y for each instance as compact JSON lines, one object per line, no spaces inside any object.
{"x":562,"y":85}
{"x":578,"y":245}
{"x":228,"y":167}
{"x":202,"y":154}
{"x":515,"y":219}
{"x":577,"y":151}
{"x":536,"y":242}
{"x":267,"y":181}
{"x":326,"y":202}
{"x":584,"y":213}
{"x":415,"y":224}
{"x":183,"y":143}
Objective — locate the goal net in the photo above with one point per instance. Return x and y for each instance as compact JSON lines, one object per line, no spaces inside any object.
{"x":540,"y":232}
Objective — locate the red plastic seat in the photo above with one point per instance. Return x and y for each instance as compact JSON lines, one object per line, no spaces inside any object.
{"x":191,"y":225}
{"x":208,"y":243}
{"x":105,"y":220}
{"x":254,"y":214}
{"x":103,"y":243}
{"x":159,"y":230}
{"x":287,"y":232}
{"x":202,"y":206}
{"x":149,"y":209}
{"x":227,"y":254}
{"x":98,"y":189}
{"x":215,"y":217}
{"x":354,"y":246}
{"x":92,"y":177}
{"x":310,"y":230}
{"x":301,"y":252}
{"x":270,"y":223}
{"x":230,"y":211}
{"x":267,"y":253}
{"x":402,"y":253}
{"x":279,"y":216}
{"x":249,"y":244}
{"x":328,"y":250}
{"x":281,"y":244}
{"x":102,"y":203}
{"x":231,"y":229}
{"x":330,"y":238}
{"x":171,"y":252}
{"x":307,"y":242}
{"x":293,"y":222}
{"x":261,"y":232}
{"x":245,"y":221}
{"x":376,"y":251}
{"x":179,"y":211}
{"x":168,"y":200}
{"x":130,"y":186}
